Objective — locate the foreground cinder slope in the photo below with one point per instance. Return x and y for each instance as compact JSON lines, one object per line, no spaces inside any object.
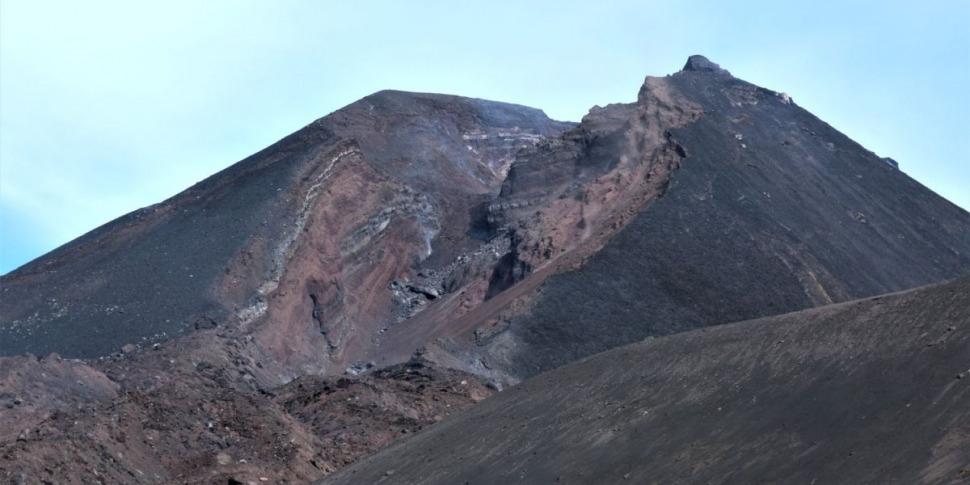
{"x":869,"y":391}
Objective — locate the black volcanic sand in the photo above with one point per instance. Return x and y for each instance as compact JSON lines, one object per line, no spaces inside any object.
{"x":869,"y":391}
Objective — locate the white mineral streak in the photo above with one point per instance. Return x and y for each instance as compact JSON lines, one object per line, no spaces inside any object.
{"x":284,"y":250}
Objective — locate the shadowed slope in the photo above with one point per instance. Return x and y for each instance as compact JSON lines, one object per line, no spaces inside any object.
{"x":870,"y":391}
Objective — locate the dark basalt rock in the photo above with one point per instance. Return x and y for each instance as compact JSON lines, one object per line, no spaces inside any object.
{"x":697,"y":63}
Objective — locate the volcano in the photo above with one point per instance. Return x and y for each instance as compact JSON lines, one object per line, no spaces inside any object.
{"x":478,"y":239}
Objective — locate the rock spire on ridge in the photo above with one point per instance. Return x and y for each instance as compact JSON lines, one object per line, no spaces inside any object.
{"x":698,"y":63}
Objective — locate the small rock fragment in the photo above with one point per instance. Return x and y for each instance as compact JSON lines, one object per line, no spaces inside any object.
{"x":431,"y":293}
{"x":223,"y":459}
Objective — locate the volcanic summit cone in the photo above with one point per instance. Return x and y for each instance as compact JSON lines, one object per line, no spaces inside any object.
{"x":417,"y":252}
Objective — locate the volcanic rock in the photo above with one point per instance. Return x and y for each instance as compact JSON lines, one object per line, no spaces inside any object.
{"x":697,"y":63}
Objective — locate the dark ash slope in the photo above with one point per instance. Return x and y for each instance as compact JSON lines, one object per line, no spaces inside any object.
{"x":869,"y":391}
{"x":771,"y":211}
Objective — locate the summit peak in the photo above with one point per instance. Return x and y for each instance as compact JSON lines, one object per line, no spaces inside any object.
{"x":698,"y":63}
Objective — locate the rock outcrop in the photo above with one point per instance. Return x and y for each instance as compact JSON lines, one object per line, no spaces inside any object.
{"x":702,"y":64}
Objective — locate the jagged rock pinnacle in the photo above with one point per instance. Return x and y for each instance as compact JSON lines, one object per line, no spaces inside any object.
{"x":698,"y":63}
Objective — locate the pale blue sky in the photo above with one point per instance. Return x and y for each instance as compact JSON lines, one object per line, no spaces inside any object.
{"x":106,"y":107}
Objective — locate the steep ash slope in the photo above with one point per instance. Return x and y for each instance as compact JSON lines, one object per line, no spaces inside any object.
{"x":771,"y":211}
{"x":869,"y":391}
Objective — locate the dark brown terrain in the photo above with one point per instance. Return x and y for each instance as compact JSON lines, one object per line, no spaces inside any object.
{"x":493,"y":241}
{"x":195,"y":429}
{"x":869,"y":391}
